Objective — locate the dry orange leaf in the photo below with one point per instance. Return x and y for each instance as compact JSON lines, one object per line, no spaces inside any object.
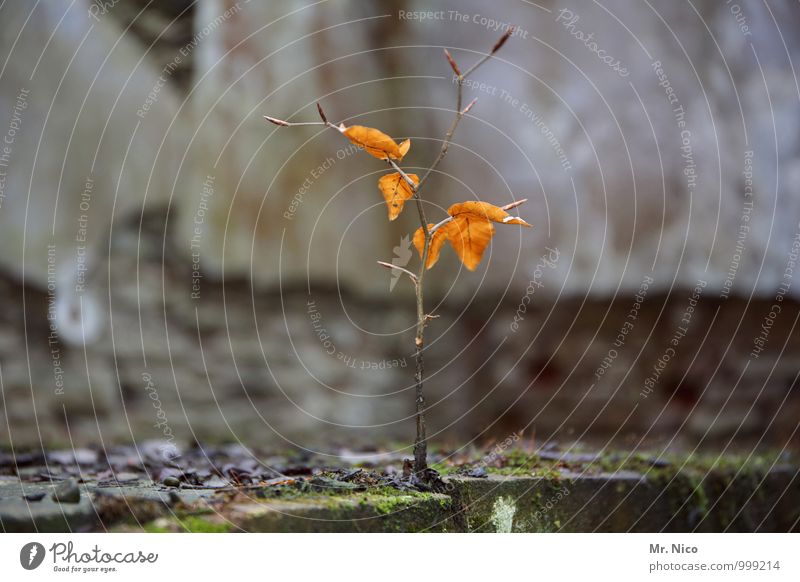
{"x":469,"y":232}
{"x":469,"y":235}
{"x":437,"y":241}
{"x":486,"y":210}
{"x":396,"y":191}
{"x":404,"y":146}
{"x":376,"y":143}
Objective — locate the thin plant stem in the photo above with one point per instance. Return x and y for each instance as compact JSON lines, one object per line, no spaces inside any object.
{"x":421,"y":441}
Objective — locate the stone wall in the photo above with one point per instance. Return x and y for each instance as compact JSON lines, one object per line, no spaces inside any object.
{"x":174,"y":267}
{"x":317,"y":366}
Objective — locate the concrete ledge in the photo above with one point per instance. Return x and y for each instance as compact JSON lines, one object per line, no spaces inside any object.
{"x":426,"y":512}
{"x":622,"y":501}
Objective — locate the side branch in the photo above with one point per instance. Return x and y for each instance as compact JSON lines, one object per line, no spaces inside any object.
{"x":393,"y":267}
{"x":283,"y":123}
{"x":459,"y":113}
{"x":459,"y":95}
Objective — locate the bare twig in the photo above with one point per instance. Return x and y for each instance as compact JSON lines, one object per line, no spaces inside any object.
{"x":440,"y":224}
{"x":452,"y":62}
{"x":469,"y":106}
{"x":393,"y":267}
{"x":283,"y":123}
{"x":500,"y":42}
{"x":503,"y":39}
{"x":277,"y":121}
{"x":322,"y":114}
{"x":514,"y":204}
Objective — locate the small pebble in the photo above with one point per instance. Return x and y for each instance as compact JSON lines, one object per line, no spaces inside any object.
{"x":658,"y":462}
{"x":477,"y":472}
{"x":172,"y":482}
{"x":67,"y":492}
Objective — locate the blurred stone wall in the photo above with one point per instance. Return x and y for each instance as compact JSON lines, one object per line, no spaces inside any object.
{"x":613,"y":180}
{"x":175,"y":266}
{"x":291,"y":368}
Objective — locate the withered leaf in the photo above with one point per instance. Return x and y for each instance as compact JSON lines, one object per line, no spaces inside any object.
{"x":404,"y":146}
{"x":396,"y":191}
{"x":376,"y":143}
{"x":437,"y":241}
{"x":487,"y":211}
{"x":469,"y":232}
{"x":469,"y":235}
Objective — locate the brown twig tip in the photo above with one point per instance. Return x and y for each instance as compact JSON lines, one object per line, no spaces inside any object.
{"x":322,"y":113}
{"x":514,"y":204}
{"x":469,"y":106}
{"x":503,"y":39}
{"x":452,"y":62}
{"x":280,"y":122}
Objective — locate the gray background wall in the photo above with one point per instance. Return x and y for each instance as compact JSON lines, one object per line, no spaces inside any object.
{"x":599,"y":156}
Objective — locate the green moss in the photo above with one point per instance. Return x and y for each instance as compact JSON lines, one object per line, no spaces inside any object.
{"x":398,"y":512}
{"x":518,"y":462}
{"x":196,"y":524}
{"x":186,"y":523}
{"x":388,"y":505}
{"x":156,"y":527}
{"x":698,"y":494}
